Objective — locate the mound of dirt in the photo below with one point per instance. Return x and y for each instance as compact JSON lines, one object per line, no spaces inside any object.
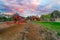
{"x":27,"y":32}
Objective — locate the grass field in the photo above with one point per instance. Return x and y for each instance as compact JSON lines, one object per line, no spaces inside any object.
{"x":54,"y":26}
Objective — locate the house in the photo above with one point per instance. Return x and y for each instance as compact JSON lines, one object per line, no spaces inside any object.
{"x":33,"y":18}
{"x":18,"y":18}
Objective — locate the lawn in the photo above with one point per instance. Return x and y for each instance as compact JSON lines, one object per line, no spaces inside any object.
{"x":54,"y":26}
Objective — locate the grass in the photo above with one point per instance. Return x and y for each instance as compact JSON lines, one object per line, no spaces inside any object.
{"x":53,"y":26}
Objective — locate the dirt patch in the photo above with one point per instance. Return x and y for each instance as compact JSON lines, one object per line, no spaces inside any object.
{"x":27,"y":31}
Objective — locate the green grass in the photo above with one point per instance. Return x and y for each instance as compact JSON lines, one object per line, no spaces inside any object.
{"x":54,"y":26}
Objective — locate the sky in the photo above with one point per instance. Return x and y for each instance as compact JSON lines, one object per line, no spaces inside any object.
{"x":29,"y":7}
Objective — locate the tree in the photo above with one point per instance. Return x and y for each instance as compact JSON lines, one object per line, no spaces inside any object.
{"x":55,"y":14}
{"x":45,"y":17}
{"x":28,"y":18}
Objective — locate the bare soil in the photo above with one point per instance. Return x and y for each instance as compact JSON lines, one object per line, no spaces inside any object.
{"x":26,"y":31}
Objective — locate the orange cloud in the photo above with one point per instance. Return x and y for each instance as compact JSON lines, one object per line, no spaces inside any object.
{"x":35,"y":2}
{"x":20,"y":10}
{"x":9,"y":13}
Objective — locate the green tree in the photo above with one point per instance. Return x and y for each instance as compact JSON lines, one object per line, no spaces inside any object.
{"x":55,"y":14}
{"x":45,"y":17}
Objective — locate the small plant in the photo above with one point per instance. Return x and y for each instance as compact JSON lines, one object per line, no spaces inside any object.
{"x":58,"y":33}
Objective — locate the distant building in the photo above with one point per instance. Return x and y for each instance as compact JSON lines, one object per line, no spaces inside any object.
{"x":33,"y":18}
{"x":57,"y":20}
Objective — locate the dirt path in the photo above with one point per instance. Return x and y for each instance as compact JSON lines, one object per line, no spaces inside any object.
{"x":4,"y":25}
{"x":26,"y":32}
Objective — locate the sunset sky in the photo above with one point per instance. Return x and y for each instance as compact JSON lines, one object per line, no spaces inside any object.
{"x":29,"y":7}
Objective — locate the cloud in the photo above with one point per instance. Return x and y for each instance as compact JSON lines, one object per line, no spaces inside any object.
{"x":37,"y":6}
{"x":4,"y":8}
{"x":49,"y":6}
{"x":35,"y":2}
